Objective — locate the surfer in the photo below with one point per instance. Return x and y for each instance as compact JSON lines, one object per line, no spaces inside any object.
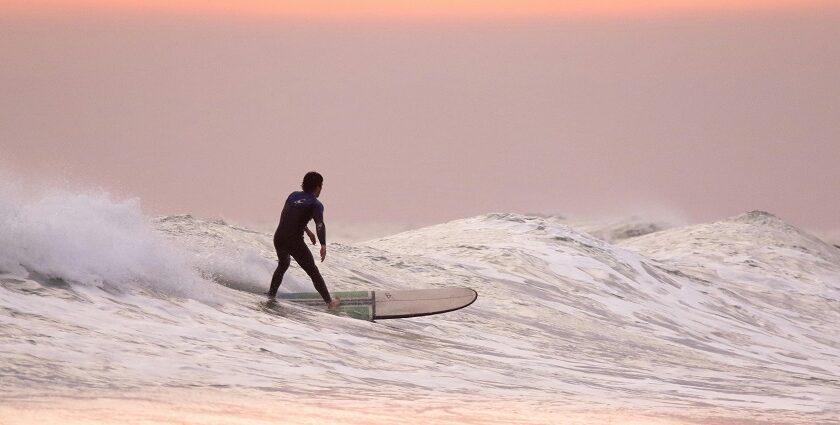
{"x":288,"y":238}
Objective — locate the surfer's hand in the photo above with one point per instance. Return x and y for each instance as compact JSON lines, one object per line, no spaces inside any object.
{"x":323,"y":252}
{"x":311,"y":235}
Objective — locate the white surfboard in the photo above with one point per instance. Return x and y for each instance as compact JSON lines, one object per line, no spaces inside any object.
{"x":379,"y":305}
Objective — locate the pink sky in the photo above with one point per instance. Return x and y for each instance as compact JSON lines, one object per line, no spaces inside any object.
{"x":704,"y":112}
{"x":389,"y":9}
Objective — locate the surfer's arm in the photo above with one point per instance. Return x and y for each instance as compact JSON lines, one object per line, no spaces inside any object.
{"x":322,"y":233}
{"x":320,"y":228}
{"x":310,"y":234}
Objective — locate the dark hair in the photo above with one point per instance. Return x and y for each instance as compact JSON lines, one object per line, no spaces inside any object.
{"x":311,"y":181}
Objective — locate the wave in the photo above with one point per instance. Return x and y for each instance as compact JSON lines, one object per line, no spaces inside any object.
{"x":91,"y":239}
{"x":731,"y":314}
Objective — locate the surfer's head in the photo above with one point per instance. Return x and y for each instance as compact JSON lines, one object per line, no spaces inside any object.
{"x":312,"y":183}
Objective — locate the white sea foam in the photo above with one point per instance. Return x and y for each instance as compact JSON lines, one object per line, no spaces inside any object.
{"x":732,"y":319}
{"x":91,"y":239}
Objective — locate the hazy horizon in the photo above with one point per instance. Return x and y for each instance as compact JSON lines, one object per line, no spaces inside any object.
{"x":703,"y":114}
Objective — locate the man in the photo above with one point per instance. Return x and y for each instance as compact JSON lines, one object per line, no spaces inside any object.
{"x":288,"y":239}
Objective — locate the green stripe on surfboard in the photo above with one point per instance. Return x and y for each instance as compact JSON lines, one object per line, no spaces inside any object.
{"x":363,"y":312}
{"x":355,"y":304}
{"x":345,"y":296}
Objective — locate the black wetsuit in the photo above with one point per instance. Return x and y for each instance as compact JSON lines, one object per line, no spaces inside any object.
{"x":288,"y":240}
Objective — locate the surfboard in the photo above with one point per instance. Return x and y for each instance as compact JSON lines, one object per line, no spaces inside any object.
{"x":380,"y":305}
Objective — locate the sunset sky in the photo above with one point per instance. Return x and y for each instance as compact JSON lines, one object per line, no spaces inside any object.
{"x":421,"y":112}
{"x":403,"y":8}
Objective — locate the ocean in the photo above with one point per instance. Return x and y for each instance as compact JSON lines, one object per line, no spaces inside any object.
{"x":111,"y":316}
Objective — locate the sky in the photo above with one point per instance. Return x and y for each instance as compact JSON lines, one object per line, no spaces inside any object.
{"x":422,"y":114}
{"x":389,"y":9}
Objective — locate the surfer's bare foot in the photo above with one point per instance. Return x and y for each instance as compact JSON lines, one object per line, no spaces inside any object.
{"x":334,"y":303}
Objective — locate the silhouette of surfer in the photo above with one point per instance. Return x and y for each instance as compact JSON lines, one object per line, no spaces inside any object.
{"x":301,"y":207}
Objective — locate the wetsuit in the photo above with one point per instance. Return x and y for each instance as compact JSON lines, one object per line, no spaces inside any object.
{"x":288,"y":240}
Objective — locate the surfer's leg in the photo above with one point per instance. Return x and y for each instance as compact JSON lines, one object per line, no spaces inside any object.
{"x":282,"y":265}
{"x":304,"y":257}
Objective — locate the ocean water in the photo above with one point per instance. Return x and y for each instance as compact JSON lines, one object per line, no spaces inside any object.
{"x":110,"y":316}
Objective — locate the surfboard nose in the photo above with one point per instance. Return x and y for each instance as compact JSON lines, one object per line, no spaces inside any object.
{"x":421,"y":302}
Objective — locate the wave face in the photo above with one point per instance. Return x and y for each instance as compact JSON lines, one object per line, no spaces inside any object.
{"x":731,"y":319}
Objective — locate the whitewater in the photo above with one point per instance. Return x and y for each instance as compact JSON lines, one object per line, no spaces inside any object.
{"x":111,"y":316}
